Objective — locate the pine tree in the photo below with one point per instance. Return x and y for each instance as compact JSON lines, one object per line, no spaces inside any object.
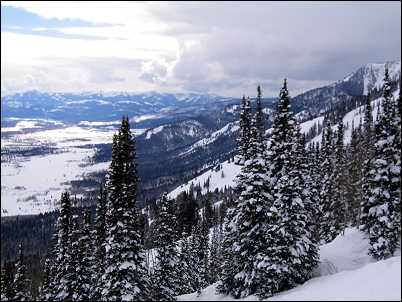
{"x":354,"y":164}
{"x":244,"y":123}
{"x":63,"y":264}
{"x":125,"y":276}
{"x":214,"y":254}
{"x":338,"y":206}
{"x":20,"y":283}
{"x":230,"y":261}
{"x":368,"y":155}
{"x":292,"y":251}
{"x":6,"y":285}
{"x":48,"y":287}
{"x":187,"y":269}
{"x":45,"y":289}
{"x":383,"y":227}
{"x":83,"y":259}
{"x":74,"y":266}
{"x":166,"y":275}
{"x":327,"y":185}
{"x":395,"y":167}
{"x":199,"y":255}
{"x":247,"y":219}
{"x":99,"y":244}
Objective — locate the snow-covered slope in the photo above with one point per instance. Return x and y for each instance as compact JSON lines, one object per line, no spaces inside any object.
{"x":355,"y":117}
{"x":218,"y":179}
{"x":345,"y":273}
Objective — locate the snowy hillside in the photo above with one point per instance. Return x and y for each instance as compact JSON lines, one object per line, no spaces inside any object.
{"x":345,"y":273}
{"x":355,"y":117}
{"x":230,"y":170}
{"x":218,"y":179}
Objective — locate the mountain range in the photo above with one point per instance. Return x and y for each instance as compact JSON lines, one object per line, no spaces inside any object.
{"x":185,"y":133}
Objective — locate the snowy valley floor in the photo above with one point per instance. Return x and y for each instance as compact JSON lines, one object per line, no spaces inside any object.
{"x":345,"y":273}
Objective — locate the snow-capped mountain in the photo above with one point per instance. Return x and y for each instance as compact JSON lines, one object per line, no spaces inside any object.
{"x":146,"y":109}
{"x":365,"y":79}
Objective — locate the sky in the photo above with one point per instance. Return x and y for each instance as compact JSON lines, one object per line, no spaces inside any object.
{"x":224,"y":48}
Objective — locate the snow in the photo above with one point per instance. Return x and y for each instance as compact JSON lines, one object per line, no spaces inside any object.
{"x":153,"y":131}
{"x":229,"y":128}
{"x":230,"y":170}
{"x":374,"y":74}
{"x":346,"y":273}
{"x":354,"y":116}
{"x":33,"y":184}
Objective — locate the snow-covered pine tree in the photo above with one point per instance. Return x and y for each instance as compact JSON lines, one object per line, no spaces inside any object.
{"x":259,"y":116}
{"x":395,"y":167}
{"x":5,"y":285}
{"x":99,"y":244}
{"x":367,"y":154}
{"x":230,"y":264}
{"x":327,"y":186}
{"x":338,"y":206}
{"x":20,"y":283}
{"x":166,"y":276}
{"x":45,"y":287}
{"x":84,"y":259}
{"x":244,"y":124}
{"x":186,"y":266}
{"x":48,"y":286}
{"x":214,"y":254}
{"x":230,"y":260}
{"x":383,"y":232}
{"x":74,"y":265}
{"x":199,"y":252}
{"x":125,"y":276}
{"x":63,"y":265}
{"x":244,"y":228}
{"x":354,"y":164}
{"x":292,"y":251}
{"x":313,"y":182}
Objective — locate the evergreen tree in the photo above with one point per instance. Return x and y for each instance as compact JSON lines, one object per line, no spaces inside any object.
{"x":327,"y":187}
{"x":395,"y":167}
{"x":187,"y":271}
{"x":6,"y":285}
{"x":230,"y":260}
{"x":383,"y":227}
{"x":99,"y":244}
{"x":199,"y":253}
{"x":214,"y":254}
{"x":48,"y":287}
{"x":74,"y":265}
{"x":84,"y":260}
{"x":166,"y":273}
{"x":63,"y":263}
{"x":259,"y":123}
{"x":244,"y":123}
{"x":247,"y":218}
{"x":338,"y":206}
{"x":292,"y":252}
{"x":354,"y":164}
{"x":125,"y":276}
{"x":20,"y":283}
{"x":368,"y":155}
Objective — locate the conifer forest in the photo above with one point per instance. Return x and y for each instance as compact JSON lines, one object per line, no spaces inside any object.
{"x":291,"y":196}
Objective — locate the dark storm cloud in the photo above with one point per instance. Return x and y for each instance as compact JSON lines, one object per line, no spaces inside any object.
{"x":315,"y":41}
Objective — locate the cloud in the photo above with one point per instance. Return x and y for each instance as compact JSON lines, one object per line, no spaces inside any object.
{"x":224,"y":48}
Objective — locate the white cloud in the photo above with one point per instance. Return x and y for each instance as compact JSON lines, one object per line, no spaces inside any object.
{"x":225,"y":48}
